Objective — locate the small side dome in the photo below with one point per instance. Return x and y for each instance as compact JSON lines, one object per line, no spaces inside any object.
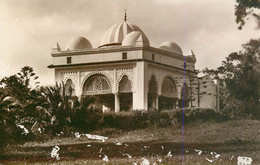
{"x":171,"y":47}
{"x":78,"y":43}
{"x":135,"y":38}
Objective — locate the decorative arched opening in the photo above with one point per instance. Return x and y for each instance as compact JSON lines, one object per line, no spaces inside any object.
{"x":167,"y":100}
{"x":98,"y":86}
{"x":125,"y":94}
{"x":152,"y":94}
{"x":69,"y":88}
{"x":185,"y":99}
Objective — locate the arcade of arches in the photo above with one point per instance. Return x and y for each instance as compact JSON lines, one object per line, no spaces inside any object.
{"x":99,"y":87}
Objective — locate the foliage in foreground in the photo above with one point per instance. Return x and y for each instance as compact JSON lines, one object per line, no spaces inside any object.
{"x":240,"y":81}
{"x":28,"y":113}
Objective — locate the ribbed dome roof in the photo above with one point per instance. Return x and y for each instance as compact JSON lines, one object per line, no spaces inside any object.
{"x":135,"y":38}
{"x":78,"y":43}
{"x":116,"y":33}
{"x":171,"y":47}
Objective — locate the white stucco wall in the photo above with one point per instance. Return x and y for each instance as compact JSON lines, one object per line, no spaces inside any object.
{"x":208,"y":100}
{"x":95,"y":58}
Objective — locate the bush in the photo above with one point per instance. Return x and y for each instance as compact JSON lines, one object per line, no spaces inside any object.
{"x":89,"y":120}
{"x":85,"y":120}
{"x":134,"y":120}
{"x":3,"y":138}
{"x":192,"y":115}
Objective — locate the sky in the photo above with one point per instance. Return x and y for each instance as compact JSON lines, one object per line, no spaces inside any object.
{"x":30,"y":28}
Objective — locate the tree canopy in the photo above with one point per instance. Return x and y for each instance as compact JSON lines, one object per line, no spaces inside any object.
{"x":240,"y":77}
{"x":244,"y":8}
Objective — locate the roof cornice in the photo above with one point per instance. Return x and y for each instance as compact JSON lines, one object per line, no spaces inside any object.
{"x":119,"y":49}
{"x":95,"y":50}
{"x":116,"y":62}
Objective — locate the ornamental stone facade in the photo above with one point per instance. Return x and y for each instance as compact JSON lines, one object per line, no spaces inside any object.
{"x":125,"y":73}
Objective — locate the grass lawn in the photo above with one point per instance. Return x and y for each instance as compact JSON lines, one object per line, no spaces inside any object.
{"x":204,"y":143}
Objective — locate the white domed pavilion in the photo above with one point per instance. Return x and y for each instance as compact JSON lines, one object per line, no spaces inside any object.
{"x":126,"y":73}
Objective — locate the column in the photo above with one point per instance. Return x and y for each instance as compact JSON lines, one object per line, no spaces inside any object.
{"x":140,"y":96}
{"x":78,"y":92}
{"x":117,"y":103}
{"x":114,"y":90}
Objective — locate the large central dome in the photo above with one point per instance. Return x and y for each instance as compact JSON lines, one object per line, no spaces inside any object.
{"x":116,"y":33}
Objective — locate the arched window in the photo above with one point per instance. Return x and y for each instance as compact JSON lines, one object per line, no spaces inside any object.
{"x":125,"y":96}
{"x":69,"y":88}
{"x":125,"y":84}
{"x":168,"y":87}
{"x":152,"y":94}
{"x":152,"y":86}
{"x":96,"y":84}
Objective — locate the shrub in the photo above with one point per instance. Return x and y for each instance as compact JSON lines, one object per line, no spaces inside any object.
{"x":192,"y":115}
{"x":135,"y":120}
{"x":93,"y":120}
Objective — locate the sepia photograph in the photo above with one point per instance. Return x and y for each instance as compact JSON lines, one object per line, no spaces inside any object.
{"x":138,"y":82}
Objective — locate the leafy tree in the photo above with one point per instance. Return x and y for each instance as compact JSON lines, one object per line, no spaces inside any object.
{"x":15,"y":88}
{"x":243,"y":8}
{"x":22,"y":98}
{"x":8,"y":112}
{"x":19,"y":86}
{"x":3,"y":118}
{"x":240,"y":80}
{"x":59,"y":107}
{"x":27,"y":77}
{"x":39,"y":107}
